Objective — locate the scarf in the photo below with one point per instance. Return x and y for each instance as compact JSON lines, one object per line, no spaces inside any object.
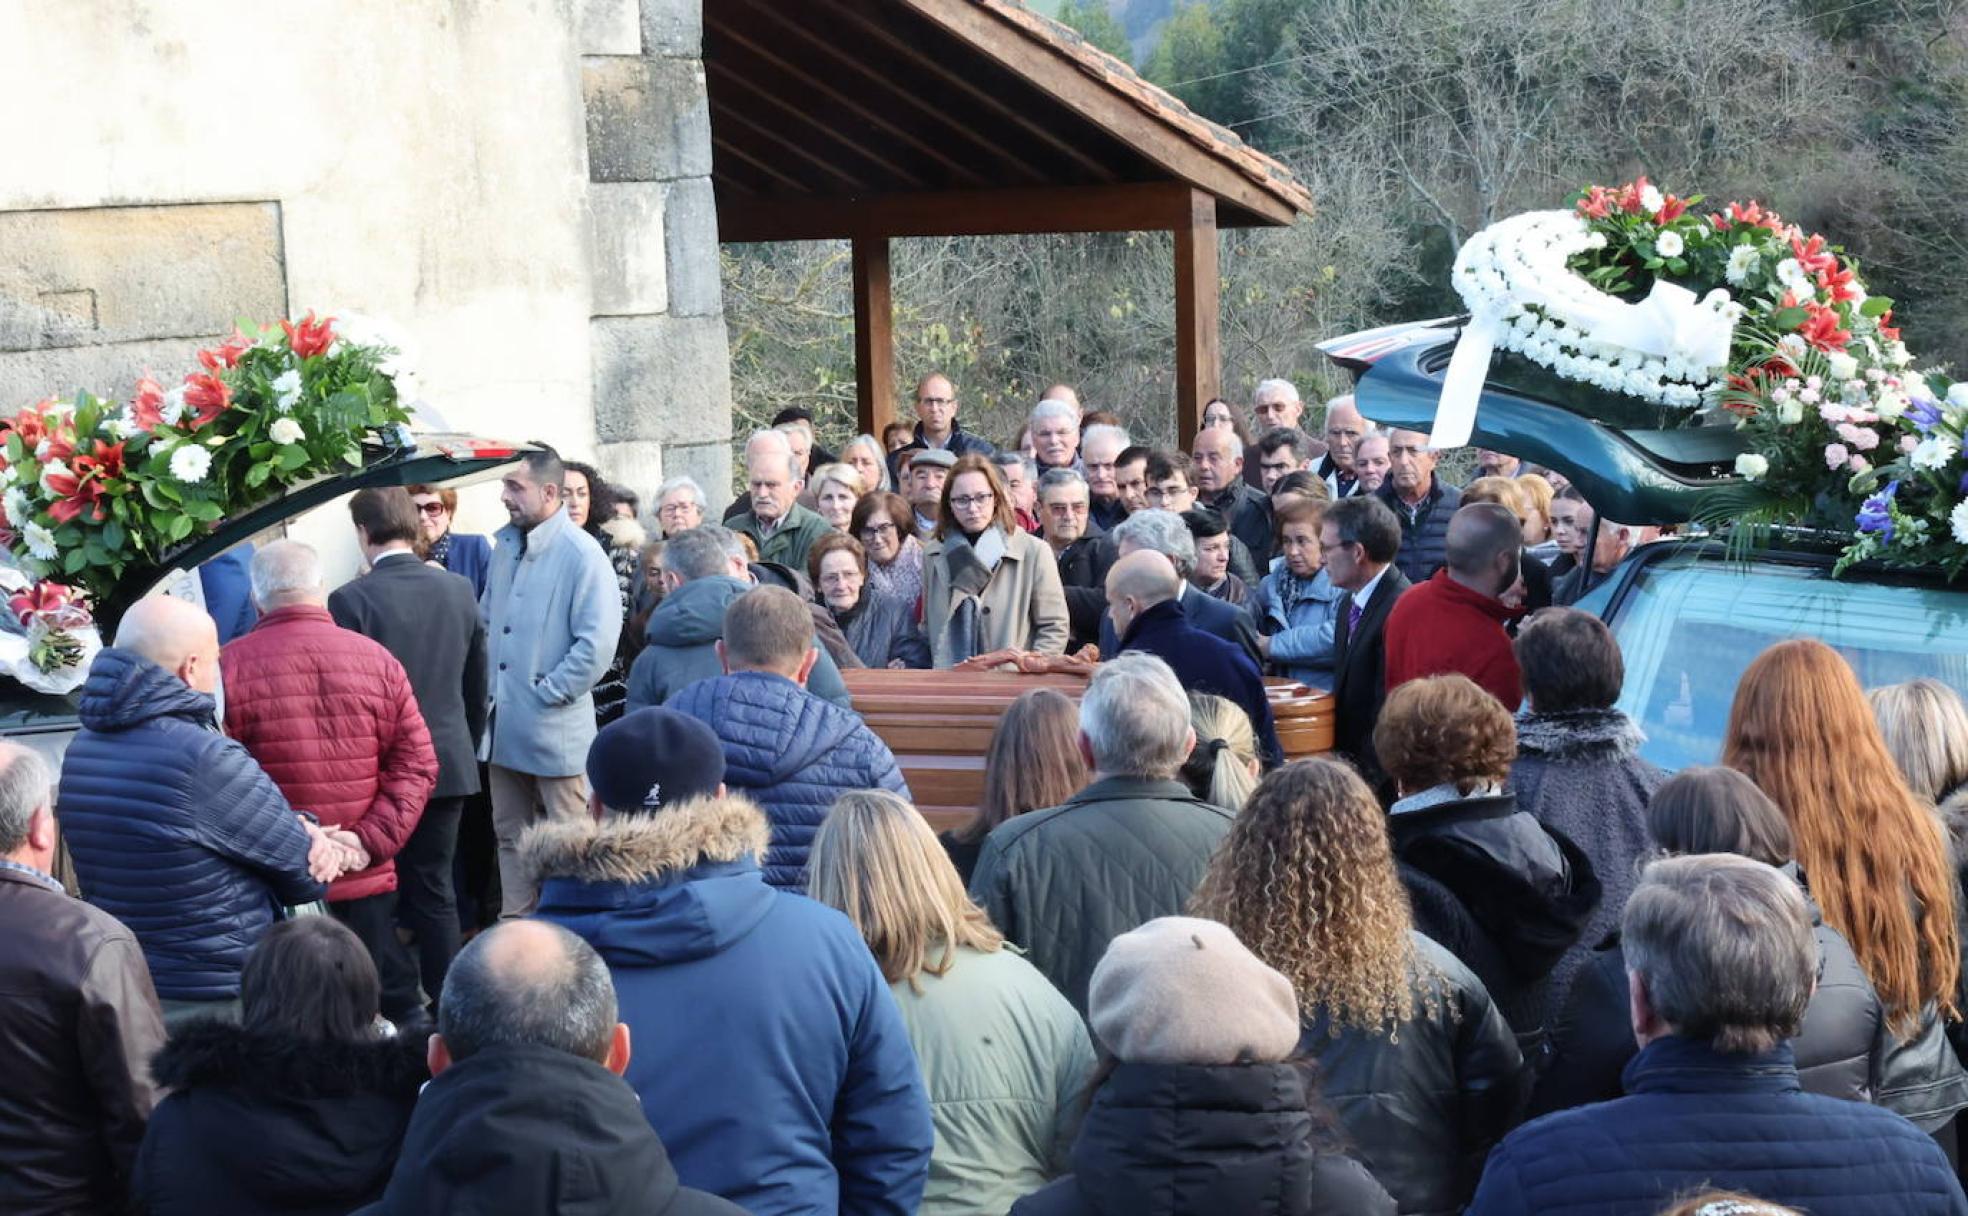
{"x":440,"y":549}
{"x":970,"y":566}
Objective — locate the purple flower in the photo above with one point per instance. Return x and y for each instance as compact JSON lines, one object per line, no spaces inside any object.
{"x":1876,"y":513}
{"x":1924,"y":415}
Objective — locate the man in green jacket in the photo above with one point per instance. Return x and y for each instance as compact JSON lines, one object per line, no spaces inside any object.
{"x":781,"y":528}
{"x":1063,"y":883}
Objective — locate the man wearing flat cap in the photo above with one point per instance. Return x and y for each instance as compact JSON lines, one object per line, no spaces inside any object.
{"x":739,"y":998}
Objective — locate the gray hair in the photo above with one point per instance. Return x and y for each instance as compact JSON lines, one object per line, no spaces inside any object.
{"x":1103,"y":430}
{"x":283,"y":569}
{"x":1005,"y":458}
{"x":1725,"y":947}
{"x":1052,"y":479}
{"x":881,"y":458}
{"x":1135,"y":717}
{"x":1162,"y":531}
{"x":686,"y":483}
{"x":702,"y":551}
{"x":1053,"y":407}
{"x":26,"y":786}
{"x":770,"y":439}
{"x":565,"y":1003}
{"x":1274,"y":387}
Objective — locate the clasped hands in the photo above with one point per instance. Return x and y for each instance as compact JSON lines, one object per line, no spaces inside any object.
{"x":1033,"y":663}
{"x":333,"y":852}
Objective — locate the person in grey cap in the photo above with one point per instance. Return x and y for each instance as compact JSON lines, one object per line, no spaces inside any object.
{"x":769,"y":1055}
{"x":928,"y":469}
{"x":1206,"y":1109}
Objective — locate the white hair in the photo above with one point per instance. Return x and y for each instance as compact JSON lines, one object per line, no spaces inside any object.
{"x":1160,"y":531}
{"x":686,"y":483}
{"x":1053,"y":407}
{"x":881,"y":458}
{"x":1135,"y":717}
{"x":770,"y":439}
{"x":1236,"y":444}
{"x":26,"y":786}
{"x":1280,"y":388}
{"x":283,"y":569}
{"x":1103,"y":430}
{"x":1052,"y":479}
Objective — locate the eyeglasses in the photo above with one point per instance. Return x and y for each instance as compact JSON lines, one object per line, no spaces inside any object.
{"x":874,"y":530}
{"x":971,"y":502}
{"x":676,"y":508}
{"x":1325,"y":548}
{"x":432,"y":509}
{"x":935,"y":400}
{"x":1067,"y":508}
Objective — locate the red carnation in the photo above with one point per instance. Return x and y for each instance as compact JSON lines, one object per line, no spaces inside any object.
{"x":310,"y":337}
{"x":207,"y":395}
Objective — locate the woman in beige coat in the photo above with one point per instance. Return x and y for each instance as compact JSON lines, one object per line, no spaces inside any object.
{"x":987,"y":584}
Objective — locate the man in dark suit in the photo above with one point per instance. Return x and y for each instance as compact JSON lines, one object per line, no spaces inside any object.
{"x":1083,"y":550}
{"x":1141,"y":598}
{"x":1359,"y":539}
{"x":1166,"y":534}
{"x":428,"y":618}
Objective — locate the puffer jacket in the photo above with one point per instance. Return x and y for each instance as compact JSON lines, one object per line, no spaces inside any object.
{"x":1581,"y":775}
{"x":1507,"y":895}
{"x":769,"y":1055}
{"x":1299,"y":615}
{"x":1065,"y":882}
{"x":1424,"y":1105}
{"x":260,"y":1125}
{"x":330,"y":716}
{"x":1840,"y":1050}
{"x":882,"y":631}
{"x":1424,"y":528}
{"x":1194,"y":1140}
{"x":1694,"y":1119}
{"x":174,"y":830}
{"x":793,"y":754}
{"x":1007,"y":1062}
{"x":683,"y":634}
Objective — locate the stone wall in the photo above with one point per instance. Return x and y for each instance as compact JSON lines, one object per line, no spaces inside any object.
{"x":522,"y":186}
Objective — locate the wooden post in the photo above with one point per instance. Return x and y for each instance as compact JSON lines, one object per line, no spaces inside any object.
{"x":1198,"y":356}
{"x":874,"y":335}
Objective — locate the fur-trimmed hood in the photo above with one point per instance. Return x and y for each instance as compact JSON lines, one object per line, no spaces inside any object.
{"x":1579,"y":734}
{"x":646,"y":848}
{"x":209,"y":1052}
{"x":652,"y":890}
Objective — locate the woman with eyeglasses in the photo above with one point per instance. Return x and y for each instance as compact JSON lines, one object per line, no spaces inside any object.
{"x":885,"y":525}
{"x":987,"y":583}
{"x":680,"y":505}
{"x":882,"y":632}
{"x":460,"y":553}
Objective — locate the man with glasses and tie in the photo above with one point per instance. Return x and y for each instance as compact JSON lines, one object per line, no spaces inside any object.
{"x":1357,"y":542}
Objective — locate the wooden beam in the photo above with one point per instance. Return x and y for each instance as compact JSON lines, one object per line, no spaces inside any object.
{"x":1106,"y":107}
{"x":874,"y":336}
{"x":729,"y":116}
{"x":722,"y":146}
{"x":810,"y":128}
{"x":1198,"y":355}
{"x":1142,"y":207}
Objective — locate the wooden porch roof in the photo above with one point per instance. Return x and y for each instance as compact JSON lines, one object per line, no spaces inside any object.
{"x":841,"y":118}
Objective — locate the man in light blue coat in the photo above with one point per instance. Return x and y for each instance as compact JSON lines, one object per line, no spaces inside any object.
{"x":553,"y":615}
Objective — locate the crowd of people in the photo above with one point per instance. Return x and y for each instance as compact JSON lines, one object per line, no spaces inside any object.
{"x":706,"y":956}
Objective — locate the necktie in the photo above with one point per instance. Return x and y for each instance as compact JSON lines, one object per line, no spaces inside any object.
{"x":1353,"y":615}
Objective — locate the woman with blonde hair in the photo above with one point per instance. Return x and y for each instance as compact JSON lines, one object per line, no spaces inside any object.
{"x":1926,"y":730}
{"x":1422,"y":1070}
{"x":1800,"y":727}
{"x":1224,"y":768}
{"x":1033,"y":762}
{"x":1538,"y":494}
{"x":836,"y":488}
{"x":1006,"y":1058}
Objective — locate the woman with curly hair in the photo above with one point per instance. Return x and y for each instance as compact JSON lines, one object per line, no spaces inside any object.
{"x":1506,"y":894}
{"x":1419,"y":1066}
{"x":1801,"y":728}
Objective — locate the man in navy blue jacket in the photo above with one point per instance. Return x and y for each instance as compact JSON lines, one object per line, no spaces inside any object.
{"x":174,"y":830}
{"x":1142,"y":591}
{"x":1721,"y":959}
{"x":769,"y":1055}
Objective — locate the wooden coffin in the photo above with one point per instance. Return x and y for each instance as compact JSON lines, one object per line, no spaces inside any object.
{"x":939,"y":725}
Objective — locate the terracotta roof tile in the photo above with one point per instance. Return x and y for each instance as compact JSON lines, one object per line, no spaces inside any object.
{"x":1154,"y":101}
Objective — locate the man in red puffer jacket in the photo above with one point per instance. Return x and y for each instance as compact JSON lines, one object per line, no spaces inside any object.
{"x":330,"y":716}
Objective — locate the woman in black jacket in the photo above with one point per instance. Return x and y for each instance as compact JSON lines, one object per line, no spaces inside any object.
{"x":882,"y":630}
{"x":1844,"y":1049}
{"x":297,"y":1111}
{"x":1506,"y":894}
{"x":1423,"y":1072}
{"x":1203,"y":1111}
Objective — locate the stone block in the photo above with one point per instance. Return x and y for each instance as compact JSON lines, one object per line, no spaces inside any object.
{"x":709,"y":463}
{"x":662,"y":378}
{"x":626,"y":247}
{"x":104,"y":275}
{"x":673,"y":28}
{"x":696,"y":283}
{"x":637,"y":464}
{"x":110,"y":370}
{"x":648,"y":119}
{"x":608,"y":27}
